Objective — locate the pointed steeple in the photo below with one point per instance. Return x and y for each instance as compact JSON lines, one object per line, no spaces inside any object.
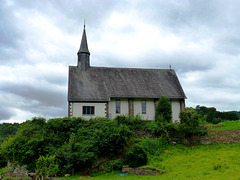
{"x":83,"y":53}
{"x":84,"y":46}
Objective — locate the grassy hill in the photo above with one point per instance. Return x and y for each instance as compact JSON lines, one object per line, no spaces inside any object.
{"x":179,"y":162}
{"x":90,"y":146}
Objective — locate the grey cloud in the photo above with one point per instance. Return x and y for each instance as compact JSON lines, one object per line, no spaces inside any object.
{"x":47,"y":97}
{"x":9,"y":35}
{"x":38,"y":101}
{"x":192,"y":21}
{"x":70,"y":14}
{"x":182,"y":62}
{"x":180,"y":13}
{"x":8,"y":32}
{"x":229,"y":45}
{"x":5,"y":113}
{"x":211,"y":99}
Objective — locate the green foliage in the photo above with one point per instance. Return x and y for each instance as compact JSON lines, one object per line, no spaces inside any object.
{"x":46,"y":166}
{"x":99,"y":137}
{"x":163,"y":111}
{"x":27,"y":145}
{"x":3,"y":170}
{"x":133,"y":122}
{"x":181,"y":162}
{"x":214,"y":116}
{"x":217,"y":120}
{"x":157,"y":128}
{"x":8,"y":129}
{"x":154,"y":146}
{"x":16,"y":178}
{"x":237,"y":113}
{"x":114,"y":166}
{"x":136,"y":156}
{"x":75,"y":143}
{"x":189,"y":124}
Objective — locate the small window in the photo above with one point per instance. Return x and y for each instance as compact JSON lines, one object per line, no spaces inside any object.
{"x":88,"y":110}
{"x":144,"y":107}
{"x":117,"y":106}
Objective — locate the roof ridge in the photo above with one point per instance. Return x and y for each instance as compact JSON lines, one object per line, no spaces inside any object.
{"x":130,"y":68}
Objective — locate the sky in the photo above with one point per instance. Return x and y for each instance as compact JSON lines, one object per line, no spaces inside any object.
{"x":39,"y":39}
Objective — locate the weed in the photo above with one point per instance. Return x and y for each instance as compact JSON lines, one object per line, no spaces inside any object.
{"x":217,"y":167}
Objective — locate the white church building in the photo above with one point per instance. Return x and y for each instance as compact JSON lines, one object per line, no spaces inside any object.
{"x":108,"y":92}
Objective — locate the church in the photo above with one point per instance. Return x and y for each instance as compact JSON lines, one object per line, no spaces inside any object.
{"x":108,"y":92}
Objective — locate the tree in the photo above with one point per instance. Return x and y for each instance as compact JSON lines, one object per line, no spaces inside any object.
{"x":163,"y":112}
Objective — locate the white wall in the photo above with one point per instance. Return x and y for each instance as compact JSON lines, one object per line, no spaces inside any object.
{"x":112,"y":107}
{"x":77,"y":109}
{"x":175,"y":110}
{"x":150,"y":109}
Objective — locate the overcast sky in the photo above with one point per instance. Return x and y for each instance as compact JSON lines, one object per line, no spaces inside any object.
{"x":39,"y":39}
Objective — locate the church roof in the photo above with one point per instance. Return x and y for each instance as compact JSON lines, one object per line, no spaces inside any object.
{"x":84,"y":46}
{"x":101,"y":83}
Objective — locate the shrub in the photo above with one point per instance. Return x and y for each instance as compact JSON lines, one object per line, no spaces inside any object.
{"x":136,"y":156}
{"x":189,"y":124}
{"x":46,"y":166}
{"x":217,"y":120}
{"x":163,"y":112}
{"x":98,"y":138}
{"x":154,"y":146}
{"x":114,"y":166}
{"x":157,"y":129}
{"x":133,"y":122}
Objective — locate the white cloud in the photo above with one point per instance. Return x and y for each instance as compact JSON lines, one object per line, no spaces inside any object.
{"x":40,"y":39}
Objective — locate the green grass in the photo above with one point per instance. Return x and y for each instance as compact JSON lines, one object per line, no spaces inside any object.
{"x":199,"y":162}
{"x":228,"y":125}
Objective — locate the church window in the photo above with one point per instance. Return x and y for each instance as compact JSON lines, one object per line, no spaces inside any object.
{"x":117,"y":106}
{"x":88,"y":110}
{"x":144,"y":107}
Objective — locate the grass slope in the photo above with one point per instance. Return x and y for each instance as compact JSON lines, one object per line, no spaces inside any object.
{"x":199,"y":162}
{"x":228,"y":125}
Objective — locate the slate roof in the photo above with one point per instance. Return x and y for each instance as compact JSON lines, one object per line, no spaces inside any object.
{"x":102,"y":83}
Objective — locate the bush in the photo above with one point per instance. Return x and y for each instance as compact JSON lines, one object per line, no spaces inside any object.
{"x":217,"y":120}
{"x":163,"y":112}
{"x":114,"y":166}
{"x":136,"y":156}
{"x":157,"y":129}
{"x":154,"y":146}
{"x":96,"y":138}
{"x":189,"y":124}
{"x":46,"y":166}
{"x":133,"y":122}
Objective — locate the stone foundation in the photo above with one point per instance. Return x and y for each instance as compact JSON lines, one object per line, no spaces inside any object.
{"x":141,"y":171}
{"x":221,"y":137}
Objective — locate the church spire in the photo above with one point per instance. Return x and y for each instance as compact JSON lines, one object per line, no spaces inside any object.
{"x":84,"y":46}
{"x":83,"y":53}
